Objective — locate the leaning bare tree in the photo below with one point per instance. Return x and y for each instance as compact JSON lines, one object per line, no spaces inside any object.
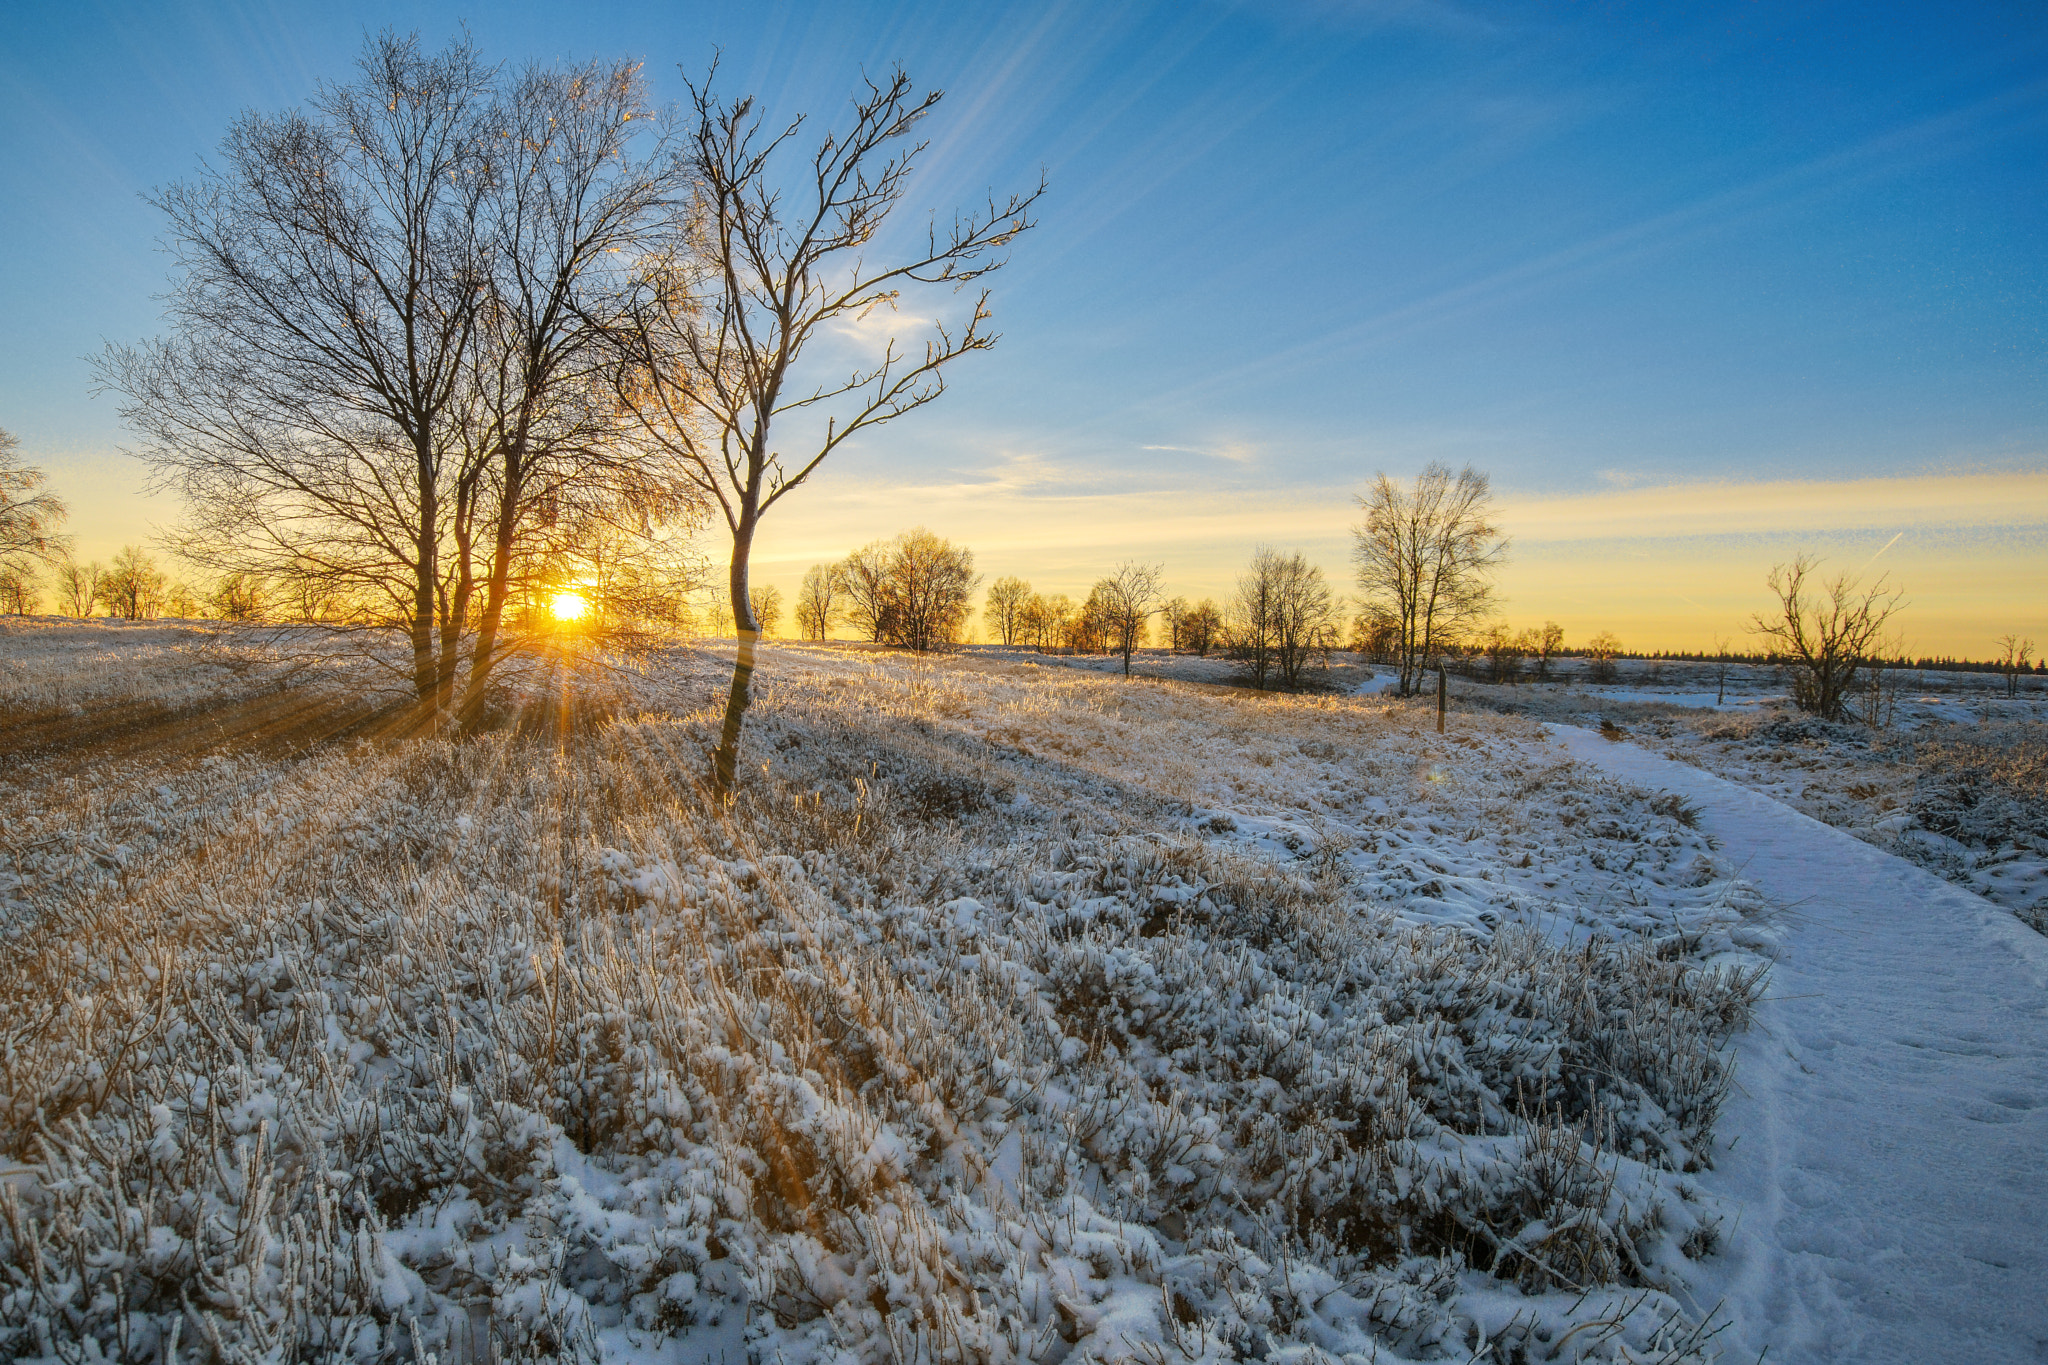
{"x":1827,"y":631}
{"x":1426,"y":556}
{"x":721,"y":326}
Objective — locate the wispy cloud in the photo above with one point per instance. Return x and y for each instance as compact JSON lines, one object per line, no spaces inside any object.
{"x":1696,"y":509}
{"x":1232,"y":452}
{"x":1880,"y":157}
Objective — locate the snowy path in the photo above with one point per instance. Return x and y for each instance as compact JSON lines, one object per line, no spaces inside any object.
{"x":1888,"y":1142}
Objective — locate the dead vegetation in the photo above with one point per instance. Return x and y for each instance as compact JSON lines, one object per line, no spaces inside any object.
{"x":965,"y":1031}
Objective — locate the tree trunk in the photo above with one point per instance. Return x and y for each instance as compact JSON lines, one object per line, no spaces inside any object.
{"x":726,"y":757}
{"x":426,"y":576}
{"x":497,"y":588}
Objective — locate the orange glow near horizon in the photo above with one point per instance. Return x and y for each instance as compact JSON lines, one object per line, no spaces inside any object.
{"x":568,"y":606}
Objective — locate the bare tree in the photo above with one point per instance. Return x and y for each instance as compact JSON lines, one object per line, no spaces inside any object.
{"x":134,"y":587}
{"x":239,"y":597}
{"x":388,"y":380}
{"x":1426,"y":556}
{"x":29,"y":512}
{"x":1088,"y":627}
{"x":18,"y":593}
{"x":1307,"y":621}
{"x":2014,"y":653}
{"x":1173,"y":610}
{"x":1254,"y":611}
{"x":820,"y":601}
{"x":1005,"y":606}
{"x":330,"y":281}
{"x":1202,"y":627}
{"x":1129,"y":597}
{"x":1044,"y":621}
{"x":1548,"y":639}
{"x":915,"y":591}
{"x":1376,"y":635}
{"x":78,"y":585}
{"x":720,"y":328}
{"x":931,"y":586}
{"x":865,"y":577}
{"x":1601,"y":650}
{"x":1827,"y":631}
{"x":1505,"y":649}
{"x":543,"y":452}
{"x":1282,"y":617}
{"x":766,"y":602}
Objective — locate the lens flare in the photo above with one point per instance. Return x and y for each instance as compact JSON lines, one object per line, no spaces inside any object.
{"x":569,"y":606}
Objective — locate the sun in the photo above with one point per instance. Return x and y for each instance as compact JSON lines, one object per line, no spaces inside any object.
{"x":569,"y":606}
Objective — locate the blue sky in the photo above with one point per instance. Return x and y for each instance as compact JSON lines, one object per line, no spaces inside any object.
{"x":1594,"y":249}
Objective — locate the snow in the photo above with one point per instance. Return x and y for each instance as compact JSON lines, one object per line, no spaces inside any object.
{"x":1888,"y":1142}
{"x":1012,"y":1011}
{"x":1956,"y":781}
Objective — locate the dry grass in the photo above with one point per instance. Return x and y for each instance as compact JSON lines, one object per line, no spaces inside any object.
{"x":964,"y":1033}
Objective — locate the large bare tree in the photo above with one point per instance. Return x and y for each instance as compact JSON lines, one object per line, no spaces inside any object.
{"x":330,"y":276}
{"x":721,"y":328}
{"x":1827,"y":630}
{"x":1426,"y":555}
{"x":572,"y":201}
{"x":387,"y":386}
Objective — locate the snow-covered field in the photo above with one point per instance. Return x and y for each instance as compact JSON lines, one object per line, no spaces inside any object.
{"x":1010,"y":1012}
{"x":1956,"y":781}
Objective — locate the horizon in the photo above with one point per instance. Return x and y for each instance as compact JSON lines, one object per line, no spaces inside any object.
{"x":1698,"y":294}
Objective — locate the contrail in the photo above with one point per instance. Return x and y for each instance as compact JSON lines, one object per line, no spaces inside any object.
{"x":1880,"y":554}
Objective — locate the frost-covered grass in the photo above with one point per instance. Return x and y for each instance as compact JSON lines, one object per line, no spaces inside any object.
{"x":1006,"y":1014}
{"x":53,"y":669}
{"x":1340,"y":672}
